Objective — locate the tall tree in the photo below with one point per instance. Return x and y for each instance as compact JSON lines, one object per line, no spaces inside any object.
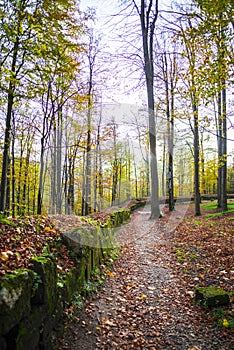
{"x":16,"y":27}
{"x":217,"y":20}
{"x":56,"y":74}
{"x":170,"y":77}
{"x":148,"y":14}
{"x":34,"y":29}
{"x":191,"y":39}
{"x":92,"y":52}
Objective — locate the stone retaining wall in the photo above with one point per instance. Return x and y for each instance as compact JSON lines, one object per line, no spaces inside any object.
{"x":33,"y":300}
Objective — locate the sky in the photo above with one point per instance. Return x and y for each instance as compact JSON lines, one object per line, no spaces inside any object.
{"x":105,"y":9}
{"x":105,"y":12}
{"x":104,"y":25}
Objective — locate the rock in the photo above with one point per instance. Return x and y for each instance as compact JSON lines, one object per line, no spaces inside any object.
{"x":15,"y":298}
{"x":26,"y":335}
{"x":211,"y":296}
{"x":3,"y":345}
{"x":47,"y":290}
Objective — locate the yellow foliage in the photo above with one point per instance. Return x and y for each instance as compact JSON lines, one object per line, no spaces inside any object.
{"x":225,"y":323}
{"x":143,"y":296}
{"x":4,"y":256}
{"x":49,"y":229}
{"x":111,"y":274}
{"x":131,"y":286}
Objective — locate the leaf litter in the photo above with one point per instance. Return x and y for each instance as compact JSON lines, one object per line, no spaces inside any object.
{"x":147,"y":300}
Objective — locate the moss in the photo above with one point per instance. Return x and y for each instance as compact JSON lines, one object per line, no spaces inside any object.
{"x":211,"y":291}
{"x":15,"y":297}
{"x":31,"y":302}
{"x":69,"y":285}
{"x":211,"y":296}
{"x":47,"y":290}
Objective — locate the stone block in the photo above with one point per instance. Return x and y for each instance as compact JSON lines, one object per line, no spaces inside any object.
{"x":50,"y":325}
{"x":211,"y":296}
{"x":46,"y":292}
{"x":96,"y":257}
{"x":69,"y":285}
{"x":15,"y":298}
{"x":3,"y":344}
{"x":26,"y":334}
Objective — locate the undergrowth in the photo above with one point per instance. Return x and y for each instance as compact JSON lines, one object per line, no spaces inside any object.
{"x":91,"y":287}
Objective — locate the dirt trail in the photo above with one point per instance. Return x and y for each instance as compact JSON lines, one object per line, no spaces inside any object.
{"x":143,"y":304}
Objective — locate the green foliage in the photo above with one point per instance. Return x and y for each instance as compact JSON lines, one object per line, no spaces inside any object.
{"x":36,"y":282}
{"x":89,"y":288}
{"x":210,"y":206}
{"x":197,"y":222}
{"x":180,"y":255}
{"x":219,"y":214}
{"x":214,"y":206}
{"x":5,"y":221}
{"x":193,"y":256}
{"x":222,"y":318}
{"x":77,"y":301}
{"x":40,"y":54}
{"x":76,"y":304}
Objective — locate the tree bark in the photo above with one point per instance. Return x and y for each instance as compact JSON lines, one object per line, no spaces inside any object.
{"x":224,"y":153}
{"x":196,"y":155}
{"x":148,"y":32}
{"x":7,"y":137}
{"x":88,"y":160}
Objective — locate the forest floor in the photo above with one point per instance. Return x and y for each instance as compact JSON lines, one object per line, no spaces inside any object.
{"x":147,"y":298}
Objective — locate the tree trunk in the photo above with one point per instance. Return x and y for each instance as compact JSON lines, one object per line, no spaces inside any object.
{"x":115,"y":170}
{"x":148,"y":28}
{"x":171,"y":146}
{"x":98,"y":192}
{"x":88,"y":163}
{"x":163,"y":166}
{"x":59,"y":163}
{"x":40,"y":187}
{"x":25,"y":179}
{"x":219,"y":143}
{"x":5,"y":159}
{"x":53,"y":170}
{"x":224,"y":152}
{"x":7,"y":137}
{"x":100,"y":176}
{"x":8,"y":190}
{"x":83,"y":186}
{"x":13,"y":169}
{"x":197,"y":198}
{"x":170,"y":131}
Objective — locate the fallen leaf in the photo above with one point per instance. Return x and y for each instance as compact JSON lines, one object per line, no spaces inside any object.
{"x":225,"y":323}
{"x":151,"y":288}
{"x":110,"y":274}
{"x":143,"y":296}
{"x":4,"y":256}
{"x":131,"y":286}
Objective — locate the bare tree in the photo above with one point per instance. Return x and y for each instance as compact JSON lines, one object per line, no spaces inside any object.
{"x":148,"y":14}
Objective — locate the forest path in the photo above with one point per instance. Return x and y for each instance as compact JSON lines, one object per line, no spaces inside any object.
{"x":142,"y":303}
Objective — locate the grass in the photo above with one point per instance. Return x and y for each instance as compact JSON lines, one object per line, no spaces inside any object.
{"x":221,"y":318}
{"x":219,"y":213}
{"x":5,"y":221}
{"x":213,"y":206}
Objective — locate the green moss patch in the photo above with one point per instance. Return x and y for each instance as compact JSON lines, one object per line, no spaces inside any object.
{"x":211,"y":296}
{"x":15,"y":298}
{"x":47,"y":290}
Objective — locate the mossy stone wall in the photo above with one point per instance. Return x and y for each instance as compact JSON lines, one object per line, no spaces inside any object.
{"x":32,"y":300}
